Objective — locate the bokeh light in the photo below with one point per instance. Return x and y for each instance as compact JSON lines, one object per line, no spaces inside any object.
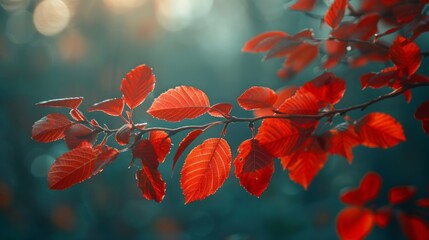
{"x":175,"y":15}
{"x":51,"y":17}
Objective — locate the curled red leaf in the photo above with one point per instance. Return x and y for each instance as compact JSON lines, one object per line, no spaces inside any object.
{"x":185,"y":143}
{"x":335,"y":13}
{"x":72,"y":102}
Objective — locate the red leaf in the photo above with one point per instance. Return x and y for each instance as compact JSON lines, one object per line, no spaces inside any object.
{"x":73,"y":167}
{"x":282,"y":95}
{"x":151,"y":184}
{"x":413,"y":227}
{"x":341,"y":140}
{"x":423,"y":202}
{"x":300,"y":57}
{"x":180,"y":103}
{"x":50,"y":128}
{"x":335,"y":13}
{"x":185,"y":143}
{"x":205,"y":169}
{"x":301,"y":104}
{"x":137,"y":85}
{"x":161,"y":143}
{"x":106,"y":156}
{"x":368,"y":190}
{"x":326,"y":88}
{"x":149,"y":179}
{"x":304,"y":164}
{"x":422,"y":112}
{"x":406,"y":12}
{"x":401,"y":194}
{"x":72,"y":102}
{"x":263,"y":42}
{"x":256,"y":98}
{"x":77,"y":134}
{"x":406,"y":55}
{"x":303,"y":5}
{"x":380,"y":79}
{"x":379,"y":130}
{"x":220,"y":110}
{"x":354,"y":223}
{"x":123,"y":135}
{"x":278,"y":136}
{"x":77,"y":115}
{"x":366,"y":27}
{"x":288,"y":44}
{"x":370,"y":186}
{"x":113,"y":107}
{"x":254,"y":166}
{"x":382,"y":216}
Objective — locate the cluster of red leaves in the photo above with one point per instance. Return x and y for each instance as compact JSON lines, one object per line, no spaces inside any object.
{"x":357,"y":220}
{"x":290,"y":116}
{"x":288,"y":135}
{"x":360,"y":34}
{"x":294,"y":140}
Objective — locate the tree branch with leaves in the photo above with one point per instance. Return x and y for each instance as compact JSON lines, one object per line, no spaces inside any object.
{"x":287,"y":123}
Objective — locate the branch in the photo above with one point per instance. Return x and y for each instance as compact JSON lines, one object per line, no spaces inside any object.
{"x":231,"y":119}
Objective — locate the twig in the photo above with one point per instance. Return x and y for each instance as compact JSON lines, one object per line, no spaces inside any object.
{"x":327,"y":114}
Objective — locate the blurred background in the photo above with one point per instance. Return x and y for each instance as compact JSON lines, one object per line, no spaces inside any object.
{"x":64,"y":48}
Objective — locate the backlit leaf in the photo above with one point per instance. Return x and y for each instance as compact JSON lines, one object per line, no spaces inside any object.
{"x":123,"y":135}
{"x":335,"y":13}
{"x":413,"y":227}
{"x":137,"y":84}
{"x":326,"y":88}
{"x":78,"y":133}
{"x":422,"y":112}
{"x":278,"y":136}
{"x":401,"y":194}
{"x":205,"y":169}
{"x":263,"y":42}
{"x":50,"y":128}
{"x":305,"y":163}
{"x":72,"y":102}
{"x":406,"y":55}
{"x":354,"y":223}
{"x":383,"y":216}
{"x":303,"y":5}
{"x":148,"y":178}
{"x":341,"y":140}
{"x":282,"y":95}
{"x":256,"y":98}
{"x":220,"y":110}
{"x":368,"y":190}
{"x":254,"y":166}
{"x":180,"y":103}
{"x":161,"y":143}
{"x":111,"y":107}
{"x":72,"y":167}
{"x":185,"y":143}
{"x":379,"y":130}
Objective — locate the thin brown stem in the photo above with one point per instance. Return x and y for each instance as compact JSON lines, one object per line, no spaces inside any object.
{"x":326,"y":114}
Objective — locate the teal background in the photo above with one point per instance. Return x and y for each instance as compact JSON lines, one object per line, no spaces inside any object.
{"x":198,"y":48}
